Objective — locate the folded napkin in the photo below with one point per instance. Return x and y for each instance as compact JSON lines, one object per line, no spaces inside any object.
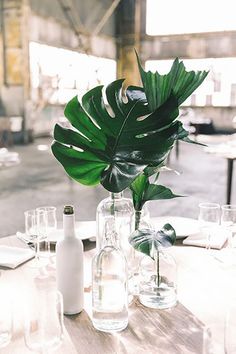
{"x":11,"y":257}
{"x":217,"y":240}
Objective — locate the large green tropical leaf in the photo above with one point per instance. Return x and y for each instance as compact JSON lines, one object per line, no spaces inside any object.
{"x":112,"y":141}
{"x":146,"y":241}
{"x":143,"y":191}
{"x":178,"y":81}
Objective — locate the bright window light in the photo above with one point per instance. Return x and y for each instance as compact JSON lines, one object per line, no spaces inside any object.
{"x":58,"y":74}
{"x":219,"y":87}
{"x":165,"y":17}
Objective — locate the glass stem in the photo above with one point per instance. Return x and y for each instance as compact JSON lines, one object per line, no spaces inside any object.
{"x":208,"y":247}
{"x":37,"y":250}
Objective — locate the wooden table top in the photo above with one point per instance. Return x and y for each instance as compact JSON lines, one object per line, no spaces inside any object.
{"x":204,"y":289}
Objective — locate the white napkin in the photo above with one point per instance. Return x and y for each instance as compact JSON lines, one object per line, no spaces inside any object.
{"x":217,"y":240}
{"x":11,"y":257}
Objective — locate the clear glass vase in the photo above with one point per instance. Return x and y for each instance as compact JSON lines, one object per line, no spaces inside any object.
{"x":110,"y":285}
{"x":141,"y":221}
{"x":157,"y":280}
{"x":119,"y":209}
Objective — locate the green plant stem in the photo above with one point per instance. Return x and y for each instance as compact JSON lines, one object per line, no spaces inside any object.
{"x":137,"y":219}
{"x":157,"y":260}
{"x":113,"y":204}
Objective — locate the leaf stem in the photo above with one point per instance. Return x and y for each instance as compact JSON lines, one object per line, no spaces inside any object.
{"x":113,"y":204}
{"x":137,"y":219}
{"x":157,"y":260}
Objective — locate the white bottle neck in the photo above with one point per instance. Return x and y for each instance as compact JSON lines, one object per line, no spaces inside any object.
{"x":69,"y":225}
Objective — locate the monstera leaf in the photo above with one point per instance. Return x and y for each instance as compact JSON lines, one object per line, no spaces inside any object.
{"x":114,"y":138}
{"x":179,"y":81}
{"x":112,"y":141}
{"x":148,"y":241}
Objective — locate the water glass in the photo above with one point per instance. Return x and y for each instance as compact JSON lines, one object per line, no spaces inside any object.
{"x":6,"y":322}
{"x":213,"y":339}
{"x":209,"y":219}
{"x":230,"y":329}
{"x":51,"y":227}
{"x":228,"y":220}
{"x":51,"y":219}
{"x":44,"y":327}
{"x":32,"y":233}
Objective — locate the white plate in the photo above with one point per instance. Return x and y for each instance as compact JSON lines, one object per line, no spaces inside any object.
{"x":83,"y":230}
{"x":183,"y":226}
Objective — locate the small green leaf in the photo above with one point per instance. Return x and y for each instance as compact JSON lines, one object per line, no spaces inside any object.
{"x":144,"y":191}
{"x":144,"y":240}
{"x":158,"y":192}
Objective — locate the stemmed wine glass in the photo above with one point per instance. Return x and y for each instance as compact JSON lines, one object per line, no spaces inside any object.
{"x":228,"y":221}
{"x":230,"y":328}
{"x":44,"y":327}
{"x":49,"y":213}
{"x":6,"y":320}
{"x":35,"y":229}
{"x":209,"y":219}
{"x":31,"y":232}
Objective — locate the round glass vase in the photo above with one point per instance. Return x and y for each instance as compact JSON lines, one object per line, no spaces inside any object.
{"x":157,"y":280}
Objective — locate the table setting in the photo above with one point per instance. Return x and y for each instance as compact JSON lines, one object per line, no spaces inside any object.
{"x":151,"y":285}
{"x":23,"y":256}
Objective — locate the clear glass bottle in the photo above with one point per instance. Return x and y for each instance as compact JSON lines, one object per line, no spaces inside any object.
{"x":109,"y":285}
{"x":119,"y":209}
{"x":157,"y":283}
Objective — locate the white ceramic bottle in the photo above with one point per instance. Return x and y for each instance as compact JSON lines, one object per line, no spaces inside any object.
{"x":69,"y":265}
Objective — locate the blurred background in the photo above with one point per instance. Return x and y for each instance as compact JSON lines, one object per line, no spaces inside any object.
{"x":51,"y":51}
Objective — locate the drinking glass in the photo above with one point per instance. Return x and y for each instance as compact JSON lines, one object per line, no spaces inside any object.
{"x":32,"y":233}
{"x":230,"y":329}
{"x":51,"y":227}
{"x":5,"y":319}
{"x":213,"y":339}
{"x":228,"y":220}
{"x":44,"y":328}
{"x":35,"y":229}
{"x":209,"y":218}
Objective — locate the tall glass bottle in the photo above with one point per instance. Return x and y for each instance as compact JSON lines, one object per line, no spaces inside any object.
{"x":109,"y":284}
{"x":119,"y":209}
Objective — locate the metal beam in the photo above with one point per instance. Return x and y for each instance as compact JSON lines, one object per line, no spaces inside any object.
{"x":105,"y":17}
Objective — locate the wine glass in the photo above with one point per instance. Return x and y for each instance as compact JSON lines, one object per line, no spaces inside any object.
{"x":6,"y":322}
{"x":43,"y":246}
{"x":43,"y":325}
{"x":230,"y":329}
{"x":51,"y":227}
{"x":213,"y":339}
{"x":228,"y":221}
{"x":35,"y":229}
{"x":209,"y":219}
{"x":32,"y":233}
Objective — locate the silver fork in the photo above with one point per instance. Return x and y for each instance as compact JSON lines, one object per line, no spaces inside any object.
{"x":24,"y":239}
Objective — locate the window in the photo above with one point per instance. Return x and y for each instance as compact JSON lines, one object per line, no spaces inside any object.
{"x":58,"y":74}
{"x":166,"y":17}
{"x":219,"y":87}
